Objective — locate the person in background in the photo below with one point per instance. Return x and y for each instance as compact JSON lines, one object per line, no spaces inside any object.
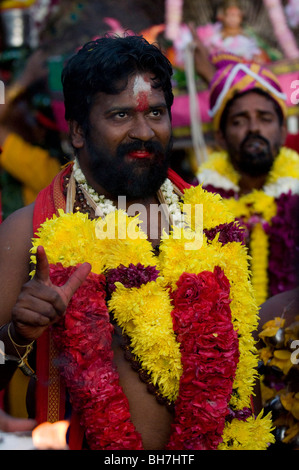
{"x":253,"y":171}
{"x":27,"y":136}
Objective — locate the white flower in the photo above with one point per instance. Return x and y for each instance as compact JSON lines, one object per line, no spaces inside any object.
{"x":282,"y":186}
{"x":213,"y":178}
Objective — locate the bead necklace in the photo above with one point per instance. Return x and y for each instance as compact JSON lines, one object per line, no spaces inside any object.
{"x":103,"y":206}
{"x":87,"y":200}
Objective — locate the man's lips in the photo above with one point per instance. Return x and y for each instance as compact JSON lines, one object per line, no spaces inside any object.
{"x":140,"y":154}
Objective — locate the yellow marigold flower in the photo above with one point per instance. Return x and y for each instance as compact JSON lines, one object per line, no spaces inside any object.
{"x":252,"y":434}
{"x":122,"y":241}
{"x":145,"y":315}
{"x":220,"y":161}
{"x":261,"y":203}
{"x":214,"y":209}
{"x":259,"y":245}
{"x":70,"y":239}
{"x":245,"y":380}
{"x":285,"y":165}
{"x":238,"y":207}
{"x":233,"y":259}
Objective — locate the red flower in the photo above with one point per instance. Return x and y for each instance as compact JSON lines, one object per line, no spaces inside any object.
{"x":209,"y":350}
{"x":209,"y":347}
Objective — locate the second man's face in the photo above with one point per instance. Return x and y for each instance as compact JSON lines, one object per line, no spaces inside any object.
{"x":253,"y":133}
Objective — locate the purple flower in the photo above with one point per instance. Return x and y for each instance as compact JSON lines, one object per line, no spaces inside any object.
{"x":283,"y":238}
{"x":131,"y":276}
{"x":231,"y":232}
{"x":224,"y":193}
{"x":241,"y":415}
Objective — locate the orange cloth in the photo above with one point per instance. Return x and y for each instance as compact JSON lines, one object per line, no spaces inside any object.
{"x":31,"y":165}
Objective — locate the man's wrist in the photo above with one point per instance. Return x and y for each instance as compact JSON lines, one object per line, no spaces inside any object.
{"x":16,"y":339}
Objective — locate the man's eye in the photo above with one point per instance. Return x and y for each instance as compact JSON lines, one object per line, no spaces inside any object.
{"x":237,"y":122}
{"x":121,"y":114}
{"x":267,"y":119}
{"x":156,"y":112}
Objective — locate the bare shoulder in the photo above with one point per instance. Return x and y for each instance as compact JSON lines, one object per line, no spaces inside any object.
{"x":17,"y":228}
{"x":16,"y":233}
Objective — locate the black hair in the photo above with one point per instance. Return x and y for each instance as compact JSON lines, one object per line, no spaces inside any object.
{"x":259,"y":91}
{"x":104,"y":65}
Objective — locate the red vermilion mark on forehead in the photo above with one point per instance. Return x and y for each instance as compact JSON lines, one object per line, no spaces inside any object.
{"x":142,"y":101}
{"x":141,"y":90}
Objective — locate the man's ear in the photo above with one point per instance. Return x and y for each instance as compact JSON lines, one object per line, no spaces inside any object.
{"x":220,"y":139}
{"x":76,"y":134}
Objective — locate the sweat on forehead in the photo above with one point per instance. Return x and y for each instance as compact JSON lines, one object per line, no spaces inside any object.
{"x":141,"y":90}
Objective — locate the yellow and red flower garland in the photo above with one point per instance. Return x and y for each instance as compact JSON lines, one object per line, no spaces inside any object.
{"x":200,"y":305}
{"x":257,"y":210}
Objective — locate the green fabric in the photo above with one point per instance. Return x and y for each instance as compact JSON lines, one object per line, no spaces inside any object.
{"x":11,"y":194}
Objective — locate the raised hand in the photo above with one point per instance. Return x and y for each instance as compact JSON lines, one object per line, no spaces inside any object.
{"x":40,"y":302}
{"x":203,"y":67}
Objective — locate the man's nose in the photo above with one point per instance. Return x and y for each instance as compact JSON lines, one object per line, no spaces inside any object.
{"x":254,"y":126}
{"x":141,"y":129}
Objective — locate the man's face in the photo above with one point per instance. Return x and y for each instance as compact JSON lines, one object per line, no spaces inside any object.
{"x":232,"y":17}
{"x":126,"y":149}
{"x":253,"y":134}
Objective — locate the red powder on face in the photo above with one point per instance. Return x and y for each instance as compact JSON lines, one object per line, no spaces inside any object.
{"x":142,"y":101}
{"x":141,"y":90}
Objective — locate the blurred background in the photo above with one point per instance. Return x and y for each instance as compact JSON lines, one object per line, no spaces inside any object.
{"x":60,"y":27}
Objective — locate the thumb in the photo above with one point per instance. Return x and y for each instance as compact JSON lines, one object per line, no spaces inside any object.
{"x":42,"y":265}
{"x":75,"y":281}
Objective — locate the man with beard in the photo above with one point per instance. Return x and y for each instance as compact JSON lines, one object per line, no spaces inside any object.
{"x":92,"y":347}
{"x":257,"y":176}
{"x":118,"y":99}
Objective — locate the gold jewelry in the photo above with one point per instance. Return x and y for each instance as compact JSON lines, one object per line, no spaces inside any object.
{"x":23,"y":362}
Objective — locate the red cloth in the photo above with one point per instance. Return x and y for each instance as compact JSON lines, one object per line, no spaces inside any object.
{"x":48,"y":201}
{"x":292,"y":142}
{"x":178,"y":181}
{"x":50,"y":392}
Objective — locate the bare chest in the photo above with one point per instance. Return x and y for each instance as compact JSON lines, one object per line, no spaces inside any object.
{"x":151,"y":419}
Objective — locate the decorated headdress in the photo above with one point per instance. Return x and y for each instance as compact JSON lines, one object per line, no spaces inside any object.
{"x":234,"y":77}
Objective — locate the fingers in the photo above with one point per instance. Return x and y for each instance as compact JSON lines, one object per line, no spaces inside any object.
{"x":42,"y":303}
{"x":37,"y":312}
{"x":75,"y":281}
